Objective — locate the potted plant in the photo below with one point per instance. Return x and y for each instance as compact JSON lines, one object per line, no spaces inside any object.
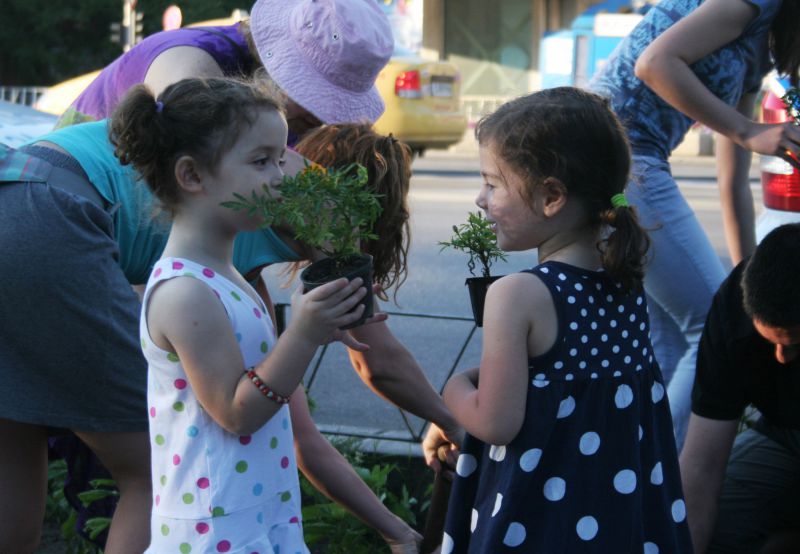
{"x":476,"y":238}
{"x":330,"y":210}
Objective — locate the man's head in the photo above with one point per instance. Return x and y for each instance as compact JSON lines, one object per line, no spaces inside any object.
{"x":325,"y":56}
{"x":771,"y":290}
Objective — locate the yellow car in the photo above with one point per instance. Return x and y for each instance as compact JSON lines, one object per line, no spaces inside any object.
{"x":423,"y":102}
{"x":58,"y":98}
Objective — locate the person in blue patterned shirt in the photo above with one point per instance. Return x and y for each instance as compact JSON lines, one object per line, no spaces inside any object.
{"x":697,"y":61}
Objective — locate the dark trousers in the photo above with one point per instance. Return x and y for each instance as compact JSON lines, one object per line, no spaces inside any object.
{"x":760,"y":497}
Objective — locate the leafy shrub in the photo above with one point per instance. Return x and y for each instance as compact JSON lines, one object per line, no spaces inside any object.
{"x":329,"y":528}
{"x":59,"y":513}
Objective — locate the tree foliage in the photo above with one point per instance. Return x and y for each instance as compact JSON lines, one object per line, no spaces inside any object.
{"x":44,"y":42}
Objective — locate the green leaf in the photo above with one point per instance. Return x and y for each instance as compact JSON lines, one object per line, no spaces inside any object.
{"x":87,"y":497}
{"x":96,"y":525}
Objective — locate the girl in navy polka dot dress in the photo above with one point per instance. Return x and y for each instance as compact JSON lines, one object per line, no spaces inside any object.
{"x":570,"y":446}
{"x":223,"y":467}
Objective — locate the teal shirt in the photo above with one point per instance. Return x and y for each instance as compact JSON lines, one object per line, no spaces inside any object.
{"x":139,"y":229}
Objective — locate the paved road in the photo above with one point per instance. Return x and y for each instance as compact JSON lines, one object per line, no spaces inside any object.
{"x":443,"y":190}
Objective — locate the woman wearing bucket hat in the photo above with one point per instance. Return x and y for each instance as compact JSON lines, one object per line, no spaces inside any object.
{"x":323,"y":55}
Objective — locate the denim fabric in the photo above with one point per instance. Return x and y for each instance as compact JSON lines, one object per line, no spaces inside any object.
{"x":654,"y":126}
{"x":683,"y":273}
{"x":69,"y":347}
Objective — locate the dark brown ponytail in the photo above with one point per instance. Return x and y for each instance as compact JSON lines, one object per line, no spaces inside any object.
{"x":624,"y":250}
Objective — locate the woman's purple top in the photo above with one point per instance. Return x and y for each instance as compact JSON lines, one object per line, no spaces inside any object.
{"x":225,"y":44}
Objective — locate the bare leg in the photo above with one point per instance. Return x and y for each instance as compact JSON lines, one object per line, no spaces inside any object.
{"x":127,"y":457}
{"x":23,"y":482}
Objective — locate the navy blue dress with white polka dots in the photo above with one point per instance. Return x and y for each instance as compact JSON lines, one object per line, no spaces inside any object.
{"x":594,"y":467}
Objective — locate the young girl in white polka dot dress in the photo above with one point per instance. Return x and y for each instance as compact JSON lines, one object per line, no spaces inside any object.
{"x":570,"y":446}
{"x":223,"y":467}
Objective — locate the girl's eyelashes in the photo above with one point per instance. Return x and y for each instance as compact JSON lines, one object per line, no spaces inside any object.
{"x":279,"y":160}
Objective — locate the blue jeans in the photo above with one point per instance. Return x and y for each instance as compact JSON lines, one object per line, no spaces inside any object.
{"x":683,"y":274}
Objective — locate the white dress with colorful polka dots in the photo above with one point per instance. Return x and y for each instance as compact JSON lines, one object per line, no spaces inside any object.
{"x":214,"y":491}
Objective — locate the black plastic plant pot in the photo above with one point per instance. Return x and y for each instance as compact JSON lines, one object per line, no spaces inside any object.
{"x":330,"y":269}
{"x":477,"y":295}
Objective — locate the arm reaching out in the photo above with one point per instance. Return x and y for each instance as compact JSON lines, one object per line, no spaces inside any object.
{"x":703,"y":461}
{"x":494,"y":411}
{"x":391,"y":371}
{"x":665,"y":67}
{"x":205,"y":344}
{"x":330,"y":473}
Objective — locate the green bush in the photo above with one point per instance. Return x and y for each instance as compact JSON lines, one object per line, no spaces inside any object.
{"x":329,"y":528}
{"x":59,"y":513}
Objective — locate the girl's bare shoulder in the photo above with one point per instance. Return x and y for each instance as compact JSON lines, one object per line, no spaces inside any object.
{"x":521,"y":288}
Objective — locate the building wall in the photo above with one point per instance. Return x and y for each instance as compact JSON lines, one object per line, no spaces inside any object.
{"x":494,"y":44}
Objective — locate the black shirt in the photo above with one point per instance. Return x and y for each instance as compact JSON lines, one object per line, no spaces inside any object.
{"x":736,"y":366}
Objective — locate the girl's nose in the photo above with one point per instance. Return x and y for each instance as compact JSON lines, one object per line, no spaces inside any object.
{"x":480,"y":200}
{"x":275,"y":184}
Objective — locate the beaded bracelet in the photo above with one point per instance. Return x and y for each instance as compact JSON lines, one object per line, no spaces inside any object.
{"x":265,"y":390}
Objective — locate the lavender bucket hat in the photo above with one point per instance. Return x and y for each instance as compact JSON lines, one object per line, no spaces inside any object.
{"x":325,"y":54}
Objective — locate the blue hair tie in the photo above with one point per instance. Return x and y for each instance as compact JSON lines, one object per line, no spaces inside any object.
{"x":159,"y":106}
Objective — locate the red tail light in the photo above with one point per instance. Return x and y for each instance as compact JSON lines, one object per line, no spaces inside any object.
{"x":779,"y":180}
{"x":407,"y":85}
{"x":781,"y":190}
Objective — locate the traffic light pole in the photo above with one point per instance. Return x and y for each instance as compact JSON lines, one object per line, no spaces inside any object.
{"x":129,"y":31}
{"x":128,"y":16}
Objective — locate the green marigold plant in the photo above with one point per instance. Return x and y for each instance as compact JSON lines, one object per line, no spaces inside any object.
{"x":331,"y":210}
{"x":476,"y":238}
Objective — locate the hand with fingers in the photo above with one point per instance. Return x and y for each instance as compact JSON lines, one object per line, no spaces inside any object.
{"x":437,"y":511}
{"x":350,"y":342}
{"x":407,"y":544}
{"x":319,"y":313}
{"x":774,"y":139}
{"x":438,"y":448}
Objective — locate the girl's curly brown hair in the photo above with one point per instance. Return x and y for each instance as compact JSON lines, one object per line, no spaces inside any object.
{"x":388,"y":164}
{"x":198,"y":117}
